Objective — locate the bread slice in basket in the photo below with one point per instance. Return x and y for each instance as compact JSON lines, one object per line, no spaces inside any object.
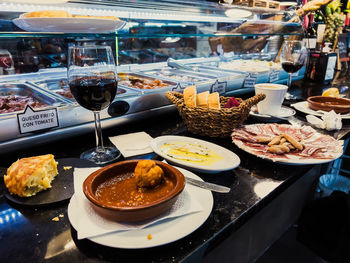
{"x":213,"y":122}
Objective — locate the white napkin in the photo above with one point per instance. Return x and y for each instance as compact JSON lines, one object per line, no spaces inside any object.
{"x":330,"y":121}
{"x":90,"y":224}
{"x":133,"y":144}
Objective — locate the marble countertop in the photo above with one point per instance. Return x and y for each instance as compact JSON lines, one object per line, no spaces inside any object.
{"x":30,"y":234}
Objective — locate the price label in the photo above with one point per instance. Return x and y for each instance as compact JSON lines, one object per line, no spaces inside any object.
{"x":250,"y":80}
{"x":30,"y":120}
{"x":274,"y":76}
{"x":219,"y":87}
{"x":178,"y":88}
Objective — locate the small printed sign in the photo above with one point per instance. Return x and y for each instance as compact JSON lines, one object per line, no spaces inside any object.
{"x":178,"y":88}
{"x":250,"y":80}
{"x":332,"y":61}
{"x":219,"y":87}
{"x":30,"y":120}
{"x":274,"y":76}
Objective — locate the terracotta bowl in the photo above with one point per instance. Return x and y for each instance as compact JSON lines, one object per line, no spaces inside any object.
{"x":339,"y":105}
{"x":131,"y":213}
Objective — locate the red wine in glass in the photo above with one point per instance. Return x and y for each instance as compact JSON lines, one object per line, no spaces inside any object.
{"x":94,"y":93}
{"x":291,"y":67}
{"x":92,"y":78}
{"x":293,"y":57}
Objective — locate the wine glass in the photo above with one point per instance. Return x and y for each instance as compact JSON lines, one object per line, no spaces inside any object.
{"x":92,"y":79}
{"x":293,"y":57}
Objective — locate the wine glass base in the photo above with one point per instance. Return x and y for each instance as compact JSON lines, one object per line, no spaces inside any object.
{"x":101,"y":155}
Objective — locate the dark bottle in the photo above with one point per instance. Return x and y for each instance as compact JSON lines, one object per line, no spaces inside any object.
{"x":346,"y":28}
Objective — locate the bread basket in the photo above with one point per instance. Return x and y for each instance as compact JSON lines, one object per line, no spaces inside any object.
{"x":213,"y":122}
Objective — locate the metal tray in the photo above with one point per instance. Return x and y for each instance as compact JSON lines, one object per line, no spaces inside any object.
{"x":218,"y":80}
{"x":26,"y":90}
{"x":59,"y":85}
{"x":123,"y":80}
{"x":179,"y":75}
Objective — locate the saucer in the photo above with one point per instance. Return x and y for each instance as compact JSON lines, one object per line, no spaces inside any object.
{"x":285,"y":112}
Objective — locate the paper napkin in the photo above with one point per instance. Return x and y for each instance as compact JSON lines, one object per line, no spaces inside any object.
{"x":330,"y":121}
{"x":90,"y":224}
{"x":133,"y":144}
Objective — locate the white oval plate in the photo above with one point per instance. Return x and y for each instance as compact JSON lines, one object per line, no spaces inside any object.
{"x":37,"y":1}
{"x":303,"y":106}
{"x":68,"y":25}
{"x":162,"y":233}
{"x":230,"y":161}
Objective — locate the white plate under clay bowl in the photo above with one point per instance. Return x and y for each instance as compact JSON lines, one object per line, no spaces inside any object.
{"x":163,"y":232}
{"x":303,"y":106}
{"x":285,"y":112}
{"x":68,"y":24}
{"x":194,"y":154}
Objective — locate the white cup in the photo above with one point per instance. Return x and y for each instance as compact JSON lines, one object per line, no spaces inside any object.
{"x":274,"y":97}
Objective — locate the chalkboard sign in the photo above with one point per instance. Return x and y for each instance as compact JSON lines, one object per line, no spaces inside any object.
{"x":343,"y":45}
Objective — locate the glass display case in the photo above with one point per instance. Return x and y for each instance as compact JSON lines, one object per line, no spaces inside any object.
{"x":224,"y":48}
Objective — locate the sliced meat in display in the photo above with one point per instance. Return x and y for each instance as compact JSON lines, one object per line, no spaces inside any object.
{"x":17,"y":103}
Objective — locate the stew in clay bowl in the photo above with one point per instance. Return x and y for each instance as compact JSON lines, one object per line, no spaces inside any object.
{"x":339,"y":105}
{"x":133,"y":190}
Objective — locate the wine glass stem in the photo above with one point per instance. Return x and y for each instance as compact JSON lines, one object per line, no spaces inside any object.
{"x":98,"y":131}
{"x":289,"y":80}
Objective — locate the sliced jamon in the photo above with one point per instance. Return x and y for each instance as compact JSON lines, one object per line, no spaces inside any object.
{"x":307,"y":132}
{"x":316,"y":145}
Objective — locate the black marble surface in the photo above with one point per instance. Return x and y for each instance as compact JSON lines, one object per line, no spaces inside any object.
{"x":30,"y":235}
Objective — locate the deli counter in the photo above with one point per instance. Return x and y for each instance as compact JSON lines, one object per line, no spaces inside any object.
{"x":157,"y":50}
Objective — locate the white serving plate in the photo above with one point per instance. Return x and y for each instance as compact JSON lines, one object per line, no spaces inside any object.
{"x":230,"y":161}
{"x":162,"y":233}
{"x":68,"y":24}
{"x":303,"y":106}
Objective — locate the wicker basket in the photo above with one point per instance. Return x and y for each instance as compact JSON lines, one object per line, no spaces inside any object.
{"x":213,"y":122}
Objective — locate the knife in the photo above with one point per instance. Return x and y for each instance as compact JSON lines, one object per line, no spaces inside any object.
{"x":208,"y":186}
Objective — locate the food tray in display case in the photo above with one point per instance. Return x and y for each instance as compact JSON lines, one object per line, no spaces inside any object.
{"x":260,"y":76}
{"x":263,"y":70}
{"x":225,"y":81}
{"x":59,"y":86}
{"x":145,"y":84}
{"x":72,"y":118}
{"x":15,"y":96}
{"x":184,"y":78}
{"x":178,"y":75}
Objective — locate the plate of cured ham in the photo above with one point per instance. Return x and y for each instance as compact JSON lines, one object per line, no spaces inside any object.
{"x":288,"y":144}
